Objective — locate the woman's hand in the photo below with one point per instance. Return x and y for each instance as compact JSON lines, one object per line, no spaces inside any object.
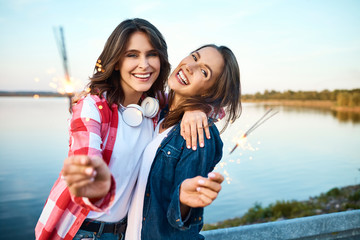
{"x":87,"y":176}
{"x":199,"y":191}
{"x":193,"y":124}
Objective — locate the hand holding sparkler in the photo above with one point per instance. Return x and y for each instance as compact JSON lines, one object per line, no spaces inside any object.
{"x":199,"y":191}
{"x":87,"y":176}
{"x":256,"y":125}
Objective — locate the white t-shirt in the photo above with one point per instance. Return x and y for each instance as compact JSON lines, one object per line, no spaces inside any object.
{"x":124,"y":165}
{"x":135,"y":215}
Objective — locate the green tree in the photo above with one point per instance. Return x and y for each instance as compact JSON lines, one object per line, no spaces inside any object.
{"x":343,"y":99}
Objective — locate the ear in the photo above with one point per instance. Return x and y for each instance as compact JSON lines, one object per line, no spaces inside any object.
{"x":116,"y":67}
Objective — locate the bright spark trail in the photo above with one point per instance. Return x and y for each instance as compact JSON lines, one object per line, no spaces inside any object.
{"x":259,"y":122}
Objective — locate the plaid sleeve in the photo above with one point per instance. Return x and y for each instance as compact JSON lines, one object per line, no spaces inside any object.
{"x":62,"y":214}
{"x":85,"y":129}
{"x":216,"y":116}
{"x":86,"y":138}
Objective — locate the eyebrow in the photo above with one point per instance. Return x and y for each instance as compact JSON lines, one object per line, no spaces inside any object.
{"x":207,"y":66}
{"x":137,"y":51}
{"x":132,"y":50}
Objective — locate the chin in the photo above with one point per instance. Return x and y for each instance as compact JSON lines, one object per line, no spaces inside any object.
{"x":171,"y":82}
{"x":143,"y":88}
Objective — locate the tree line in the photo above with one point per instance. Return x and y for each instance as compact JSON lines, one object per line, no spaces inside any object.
{"x":349,"y":98}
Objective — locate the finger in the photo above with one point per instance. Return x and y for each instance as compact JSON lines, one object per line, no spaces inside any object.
{"x":76,"y":178}
{"x":200,"y":132}
{"x":182,"y":129}
{"x":71,"y":169}
{"x":96,"y":161}
{"x":193,"y":130}
{"x":208,"y":183}
{"x":207,"y":192}
{"x":205,"y":200}
{"x":217,"y":177}
{"x":102,"y":171}
{"x":78,"y":189}
{"x":187,"y":135}
{"x":78,"y":159}
{"x":206,"y":128}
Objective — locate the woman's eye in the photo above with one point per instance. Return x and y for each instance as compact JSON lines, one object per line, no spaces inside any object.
{"x":154,"y":54}
{"x":204,"y":72}
{"x":194,"y":57}
{"x":132,"y":55}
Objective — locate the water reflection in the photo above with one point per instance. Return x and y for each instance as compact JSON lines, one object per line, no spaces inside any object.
{"x":346,"y":116}
{"x":301,"y":152}
{"x":281,"y":161}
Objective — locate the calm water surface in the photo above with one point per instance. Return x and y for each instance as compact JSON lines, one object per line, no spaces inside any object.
{"x":298,"y":153}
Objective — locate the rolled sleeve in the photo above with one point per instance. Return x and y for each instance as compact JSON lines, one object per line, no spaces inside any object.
{"x":194,"y":216}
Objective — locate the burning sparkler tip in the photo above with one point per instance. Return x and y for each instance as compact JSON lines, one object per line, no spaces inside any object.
{"x":234,"y":148}
{"x":255,"y":125}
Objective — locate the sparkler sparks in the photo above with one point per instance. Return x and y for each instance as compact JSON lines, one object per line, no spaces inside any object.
{"x":69,"y":89}
{"x":259,"y":122}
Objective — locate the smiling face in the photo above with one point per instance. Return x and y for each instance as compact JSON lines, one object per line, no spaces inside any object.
{"x":139,"y":67}
{"x":196,"y":73}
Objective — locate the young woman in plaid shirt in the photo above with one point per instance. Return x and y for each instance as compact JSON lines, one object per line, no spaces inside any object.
{"x":133,"y":65}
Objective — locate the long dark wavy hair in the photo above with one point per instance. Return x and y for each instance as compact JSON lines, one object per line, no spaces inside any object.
{"x":225,"y":93}
{"x":109,"y":80}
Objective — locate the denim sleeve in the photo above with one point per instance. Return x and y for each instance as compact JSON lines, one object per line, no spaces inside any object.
{"x":192,"y":164}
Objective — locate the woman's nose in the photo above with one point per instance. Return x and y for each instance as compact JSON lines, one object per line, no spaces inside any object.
{"x":190,"y":67}
{"x":144,"y":63}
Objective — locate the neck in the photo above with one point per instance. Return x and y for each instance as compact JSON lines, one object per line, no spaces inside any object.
{"x":161,"y":128}
{"x":174,"y":102}
{"x":131,"y":98}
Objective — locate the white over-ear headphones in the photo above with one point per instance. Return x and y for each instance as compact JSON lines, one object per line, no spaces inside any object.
{"x":133,"y":114}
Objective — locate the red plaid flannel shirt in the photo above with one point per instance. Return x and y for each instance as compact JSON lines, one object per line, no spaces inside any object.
{"x":63,"y":214}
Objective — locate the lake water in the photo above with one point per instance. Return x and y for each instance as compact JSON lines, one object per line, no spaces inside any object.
{"x":298,"y":153}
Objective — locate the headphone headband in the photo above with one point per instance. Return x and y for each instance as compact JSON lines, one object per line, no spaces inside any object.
{"x":133,"y":113}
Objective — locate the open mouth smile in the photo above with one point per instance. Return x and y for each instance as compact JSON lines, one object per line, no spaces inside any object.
{"x":142,"y":76}
{"x":182,"y":78}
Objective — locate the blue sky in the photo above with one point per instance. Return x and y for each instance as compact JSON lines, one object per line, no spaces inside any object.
{"x":280,"y":45}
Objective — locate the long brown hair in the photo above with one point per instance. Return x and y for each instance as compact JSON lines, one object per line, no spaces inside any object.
{"x":225,"y":93}
{"x":109,"y":80}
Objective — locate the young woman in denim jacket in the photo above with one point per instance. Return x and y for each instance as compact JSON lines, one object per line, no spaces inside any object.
{"x":174,"y":183}
{"x":169,"y":203}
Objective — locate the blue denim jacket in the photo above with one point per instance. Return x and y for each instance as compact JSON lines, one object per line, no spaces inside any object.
{"x":173,"y":163}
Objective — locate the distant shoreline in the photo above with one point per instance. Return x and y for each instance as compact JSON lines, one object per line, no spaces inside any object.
{"x":324,"y":104}
{"x":30,"y":94}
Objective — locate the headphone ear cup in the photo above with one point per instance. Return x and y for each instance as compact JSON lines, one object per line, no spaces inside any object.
{"x":133,"y":115}
{"x":150,"y":106}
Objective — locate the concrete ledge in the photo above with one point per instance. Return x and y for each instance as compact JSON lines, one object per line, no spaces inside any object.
{"x":342,"y":225}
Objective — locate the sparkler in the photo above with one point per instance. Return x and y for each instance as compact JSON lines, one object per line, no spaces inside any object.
{"x":259,"y":122}
{"x":61,"y":45}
